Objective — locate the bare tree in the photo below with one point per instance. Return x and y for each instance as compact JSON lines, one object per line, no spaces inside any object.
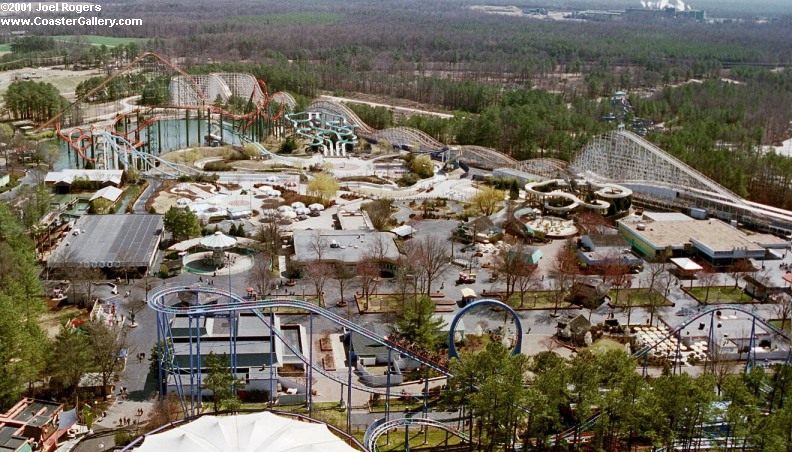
{"x":526,"y":281}
{"x":592,"y":222}
{"x":430,"y":256}
{"x":654,"y":286}
{"x":720,"y":366}
{"x":513,"y":264}
{"x":318,"y":245}
{"x":268,"y":236}
{"x":261,"y":275}
{"x":165,"y":411}
{"x":616,"y":273}
{"x":783,"y":309}
{"x":369,"y":271}
{"x":106,"y":344}
{"x":738,"y":268}
{"x":564,"y":273}
{"x":343,"y":275}
{"x":319,"y":272}
{"x":708,"y":280}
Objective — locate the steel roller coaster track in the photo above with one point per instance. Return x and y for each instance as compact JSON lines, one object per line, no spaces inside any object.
{"x":157,"y":302}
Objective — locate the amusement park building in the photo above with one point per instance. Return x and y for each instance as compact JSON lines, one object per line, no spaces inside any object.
{"x":66,"y":177}
{"x":31,"y":420}
{"x":716,"y":241}
{"x":112,"y":242}
{"x":345,"y":247}
{"x":256,"y":350}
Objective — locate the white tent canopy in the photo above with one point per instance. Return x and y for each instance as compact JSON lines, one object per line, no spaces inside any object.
{"x":218,"y":241}
{"x":257,"y":432}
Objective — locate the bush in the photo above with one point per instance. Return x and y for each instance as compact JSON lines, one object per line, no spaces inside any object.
{"x":217,"y":166}
{"x":122,"y":438}
{"x":288,"y":146}
{"x":408,"y":180}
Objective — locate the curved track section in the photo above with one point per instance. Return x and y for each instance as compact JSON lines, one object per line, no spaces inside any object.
{"x":157,"y":303}
{"x":607,"y":191}
{"x":452,"y":351}
{"x":381,"y":427}
{"x":546,"y":167}
{"x":286,"y":160}
{"x":116,"y":152}
{"x":209,"y":88}
{"x":284,"y":98}
{"x":406,"y":136}
{"x":624,"y":156}
{"x":338,"y":109}
{"x":644,"y":351}
{"x":711,"y":310}
{"x":416,"y":139}
{"x":655,"y":175}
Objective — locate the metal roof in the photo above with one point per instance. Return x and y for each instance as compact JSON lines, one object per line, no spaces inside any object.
{"x":109,"y":241}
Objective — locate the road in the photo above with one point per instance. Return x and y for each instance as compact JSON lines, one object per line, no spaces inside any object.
{"x":140,"y":204}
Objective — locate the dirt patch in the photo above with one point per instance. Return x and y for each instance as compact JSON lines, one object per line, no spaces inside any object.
{"x":65,"y":80}
{"x":52,"y":320}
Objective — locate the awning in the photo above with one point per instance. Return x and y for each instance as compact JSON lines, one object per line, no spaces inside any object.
{"x":686,"y":264}
{"x":403,"y":230}
{"x":66,"y":419}
{"x":468,"y":293}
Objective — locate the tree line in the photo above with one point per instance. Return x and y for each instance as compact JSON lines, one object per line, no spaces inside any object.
{"x":37,"y":101}
{"x":724,"y":129}
{"x":511,"y":400}
{"x":28,"y":357}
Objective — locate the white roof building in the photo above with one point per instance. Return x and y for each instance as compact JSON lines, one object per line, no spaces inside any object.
{"x":109,"y":193}
{"x":256,"y":432}
{"x":68,"y":176}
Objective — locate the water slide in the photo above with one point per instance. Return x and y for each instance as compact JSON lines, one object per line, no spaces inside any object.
{"x":327,"y":131}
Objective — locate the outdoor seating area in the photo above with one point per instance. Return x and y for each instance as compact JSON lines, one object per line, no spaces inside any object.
{"x":690,"y":350}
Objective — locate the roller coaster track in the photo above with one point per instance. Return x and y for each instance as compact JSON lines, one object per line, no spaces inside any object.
{"x":117,"y":149}
{"x":194,"y":92}
{"x":644,"y":351}
{"x":157,"y":303}
{"x":421,"y":141}
{"x":284,"y":98}
{"x":382,"y":426}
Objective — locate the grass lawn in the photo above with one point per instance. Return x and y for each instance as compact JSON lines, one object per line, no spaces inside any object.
{"x":434,"y":438}
{"x":328,"y":412}
{"x":313,"y":299}
{"x":786,"y":325}
{"x":397,"y":405}
{"x":637,"y":297}
{"x":391,"y":302}
{"x":720,"y":294}
{"x":543,"y":299}
{"x":5,"y":47}
{"x":109,"y":41}
{"x":604,"y":345}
